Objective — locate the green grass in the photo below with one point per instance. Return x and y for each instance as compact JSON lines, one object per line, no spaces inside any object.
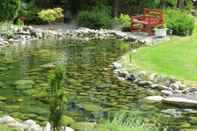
{"x":176,"y":57}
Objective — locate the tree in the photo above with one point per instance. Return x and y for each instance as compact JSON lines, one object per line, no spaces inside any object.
{"x":115,"y":8}
{"x":9,"y":9}
{"x":180,"y":4}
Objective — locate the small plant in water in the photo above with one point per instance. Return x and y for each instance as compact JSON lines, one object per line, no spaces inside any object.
{"x":57,"y":98}
{"x":125,"y":122}
{"x":130,"y":57}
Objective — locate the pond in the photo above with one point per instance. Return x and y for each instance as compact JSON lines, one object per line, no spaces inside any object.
{"x":94,"y":93}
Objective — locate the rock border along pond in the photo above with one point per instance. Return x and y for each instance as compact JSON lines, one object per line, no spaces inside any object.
{"x":172,"y":91}
{"x":29,"y":33}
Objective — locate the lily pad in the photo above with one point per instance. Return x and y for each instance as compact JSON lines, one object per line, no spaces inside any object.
{"x":2,"y":98}
{"x":24,"y":84}
{"x":67,"y":121}
{"x":90,"y":107}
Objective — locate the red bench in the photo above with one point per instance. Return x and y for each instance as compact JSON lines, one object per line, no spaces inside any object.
{"x":148,"y":21}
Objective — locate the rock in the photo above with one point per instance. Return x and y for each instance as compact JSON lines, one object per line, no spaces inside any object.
{"x":47,"y":127}
{"x":166,"y":93}
{"x":32,"y":126}
{"x":173,"y":112}
{"x":154,"y":98}
{"x":123,"y":74}
{"x":116,"y":65}
{"x":7,"y":119}
{"x":29,"y":123}
{"x":130,"y":77}
{"x":190,"y":90}
{"x":190,"y":111}
{"x":176,"y":85}
{"x":159,"y":87}
{"x":152,"y":76}
{"x":182,"y":101}
{"x":17,"y":125}
{"x":67,"y":129}
{"x":144,"y":83}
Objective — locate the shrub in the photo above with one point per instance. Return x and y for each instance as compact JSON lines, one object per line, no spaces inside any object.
{"x":7,"y":29}
{"x":179,"y":22}
{"x":125,"y":22}
{"x":30,"y":11}
{"x":51,"y":15}
{"x":8,"y":9}
{"x":97,"y":18}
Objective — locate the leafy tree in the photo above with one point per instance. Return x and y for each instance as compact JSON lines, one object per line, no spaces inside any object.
{"x":9,"y":9}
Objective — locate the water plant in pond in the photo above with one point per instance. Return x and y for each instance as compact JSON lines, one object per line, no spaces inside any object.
{"x":124,"y":122}
{"x":57,"y":97}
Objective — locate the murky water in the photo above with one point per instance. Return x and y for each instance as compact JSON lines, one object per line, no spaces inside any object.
{"x":93,"y":91}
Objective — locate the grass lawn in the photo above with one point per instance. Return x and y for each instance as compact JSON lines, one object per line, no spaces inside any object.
{"x":177,"y":57}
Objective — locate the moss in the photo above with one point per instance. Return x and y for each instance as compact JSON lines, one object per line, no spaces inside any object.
{"x":67,"y":121}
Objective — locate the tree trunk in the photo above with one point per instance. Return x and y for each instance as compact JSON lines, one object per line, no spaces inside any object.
{"x":180,"y":4}
{"x":115,"y":7}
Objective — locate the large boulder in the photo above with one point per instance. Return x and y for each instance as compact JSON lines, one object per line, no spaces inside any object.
{"x":182,"y":101}
{"x":154,"y":98}
{"x":7,"y":119}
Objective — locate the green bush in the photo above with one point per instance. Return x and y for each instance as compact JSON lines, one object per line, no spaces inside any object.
{"x":8,"y":9}
{"x":30,"y":11}
{"x":7,"y":29}
{"x":96,"y":18}
{"x":179,"y":22}
{"x":51,"y":15}
{"x":125,"y":22}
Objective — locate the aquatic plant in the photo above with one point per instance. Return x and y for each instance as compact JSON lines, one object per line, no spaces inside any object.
{"x":57,"y":97}
{"x":125,"y":122}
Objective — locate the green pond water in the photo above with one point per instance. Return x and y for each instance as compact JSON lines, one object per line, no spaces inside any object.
{"x":94,"y":93}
